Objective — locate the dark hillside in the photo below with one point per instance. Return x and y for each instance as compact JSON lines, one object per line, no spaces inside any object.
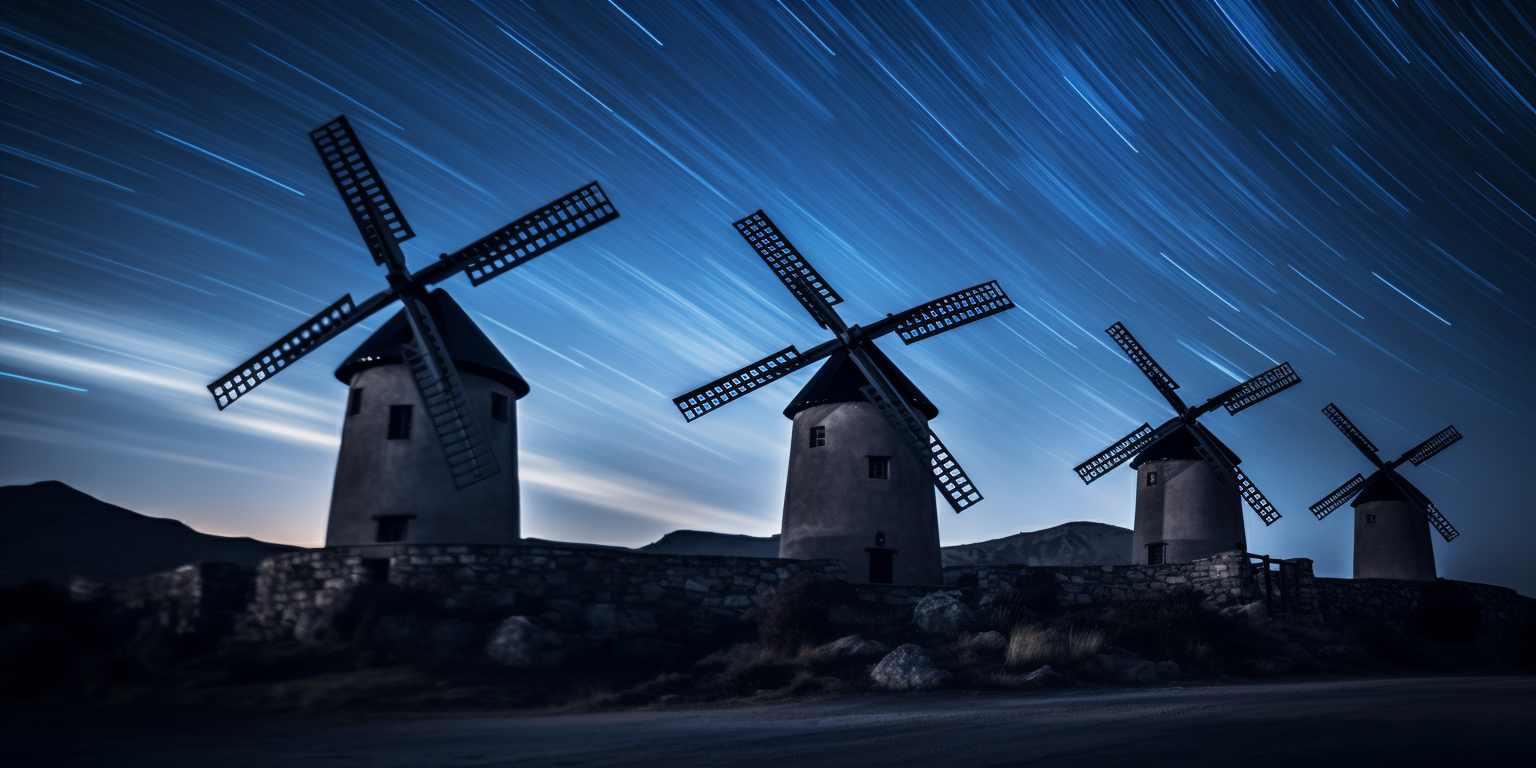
{"x":51,"y":531}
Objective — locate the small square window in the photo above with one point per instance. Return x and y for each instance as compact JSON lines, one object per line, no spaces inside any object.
{"x":1151,"y":478}
{"x":818,"y":437}
{"x":1370,"y":517}
{"x":498,"y":406}
{"x":400,"y":422}
{"x":355,"y":402}
{"x":392,"y":528}
{"x":879,"y":467}
{"x":1157,"y":554}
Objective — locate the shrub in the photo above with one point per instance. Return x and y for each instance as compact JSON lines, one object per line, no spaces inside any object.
{"x":1447,"y":612}
{"x":798,"y":614}
{"x":1175,"y":626}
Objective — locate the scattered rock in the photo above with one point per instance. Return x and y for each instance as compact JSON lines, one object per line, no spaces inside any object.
{"x":726,"y":657}
{"x":1335,"y":653}
{"x":1129,"y":669}
{"x":908,"y":668}
{"x":1253,"y":612}
{"x":1047,"y":677}
{"x":1270,"y":666}
{"x":518,"y":642}
{"x":644,"y":652}
{"x":942,"y":612}
{"x":986,"y":642}
{"x":852,"y":646}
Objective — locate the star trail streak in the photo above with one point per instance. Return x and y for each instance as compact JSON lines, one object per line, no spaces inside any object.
{"x":1346,"y":186}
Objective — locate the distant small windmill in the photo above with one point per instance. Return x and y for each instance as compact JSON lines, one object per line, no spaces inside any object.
{"x":863,"y":457}
{"x":429,"y":366}
{"x":1187,"y":481}
{"x":1391,"y":537}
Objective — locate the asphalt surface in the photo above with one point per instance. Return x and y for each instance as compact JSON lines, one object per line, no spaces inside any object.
{"x":1399,"y":722}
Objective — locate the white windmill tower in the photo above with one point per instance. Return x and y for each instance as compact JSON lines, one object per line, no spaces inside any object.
{"x":1187,"y":482}
{"x":1392,"y":517}
{"x":862,"y":459}
{"x":428,"y":450}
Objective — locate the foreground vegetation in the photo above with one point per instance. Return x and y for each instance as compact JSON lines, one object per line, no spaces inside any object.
{"x":58,"y":654}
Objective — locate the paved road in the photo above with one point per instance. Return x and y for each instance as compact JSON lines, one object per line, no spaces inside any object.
{"x":1443,"y":722}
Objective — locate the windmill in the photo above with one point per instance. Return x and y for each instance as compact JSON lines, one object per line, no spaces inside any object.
{"x":862,"y":455}
{"x":1187,"y":481}
{"x":1391,"y":538}
{"x":431,"y":416}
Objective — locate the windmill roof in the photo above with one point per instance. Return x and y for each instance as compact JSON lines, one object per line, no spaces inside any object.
{"x":1380,"y":487}
{"x":839,"y":379}
{"x":1180,"y":444}
{"x":467,"y":345}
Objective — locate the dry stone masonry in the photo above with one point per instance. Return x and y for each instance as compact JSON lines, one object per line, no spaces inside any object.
{"x":650,"y":603}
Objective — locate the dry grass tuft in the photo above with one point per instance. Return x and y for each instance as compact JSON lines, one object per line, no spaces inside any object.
{"x":1034,"y":645}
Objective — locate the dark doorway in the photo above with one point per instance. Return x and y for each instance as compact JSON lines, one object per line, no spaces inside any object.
{"x":1157,"y":554}
{"x":882,"y":566}
{"x":378,"y":569}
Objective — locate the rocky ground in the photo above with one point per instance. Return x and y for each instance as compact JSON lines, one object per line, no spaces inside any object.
{"x":811,"y":640}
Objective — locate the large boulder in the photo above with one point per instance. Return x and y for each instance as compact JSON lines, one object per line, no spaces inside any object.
{"x":851,"y":646}
{"x":1254,"y":612}
{"x":518,"y":641}
{"x":942,"y":612}
{"x":908,"y":668}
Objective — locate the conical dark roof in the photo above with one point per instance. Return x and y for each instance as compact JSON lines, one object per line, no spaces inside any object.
{"x":839,"y":380}
{"x":1380,"y":487}
{"x":1179,"y":444}
{"x":471,"y":351}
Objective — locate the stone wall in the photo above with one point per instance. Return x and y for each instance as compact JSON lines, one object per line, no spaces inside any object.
{"x":1506,"y":619}
{"x":195,"y":598}
{"x":673,"y":596}
{"x":1226,"y":579}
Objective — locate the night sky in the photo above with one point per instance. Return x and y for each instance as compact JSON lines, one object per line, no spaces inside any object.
{"x":1346,"y":187}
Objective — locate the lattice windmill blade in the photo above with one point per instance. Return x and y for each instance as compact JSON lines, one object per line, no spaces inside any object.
{"x":470,"y":457}
{"x":1207,"y":447}
{"x":555,"y":224}
{"x":1447,"y":531}
{"x":1423,"y":451}
{"x":358,"y":180}
{"x":1116,"y":454}
{"x":785,"y":260}
{"x":1336,"y":499}
{"x":1259,"y":388}
{"x":950,"y":312}
{"x":1256,"y":500}
{"x":278,"y":355}
{"x":733,"y":385}
{"x":896,"y":410}
{"x":1154,"y":372}
{"x":949,"y":477}
{"x":1352,"y":432}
